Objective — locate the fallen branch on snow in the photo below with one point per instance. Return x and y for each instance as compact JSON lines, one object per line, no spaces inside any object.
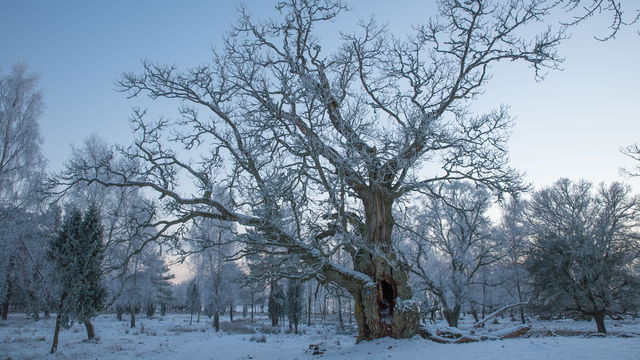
{"x":448,"y":335}
{"x":496,"y":313}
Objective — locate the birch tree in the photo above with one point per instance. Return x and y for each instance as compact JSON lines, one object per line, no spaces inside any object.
{"x":21,"y":159}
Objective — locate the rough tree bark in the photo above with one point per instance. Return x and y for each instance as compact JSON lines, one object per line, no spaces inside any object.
{"x":598,"y":316}
{"x":452,"y":315}
{"x":133,"y":316}
{"x":56,"y":333}
{"x":6,"y":301}
{"x":216,"y":321}
{"x":5,"y":309}
{"x":384,"y":306}
{"x":309,"y":294}
{"x":474,"y":313}
{"x":150,"y":310}
{"x":91,"y":331}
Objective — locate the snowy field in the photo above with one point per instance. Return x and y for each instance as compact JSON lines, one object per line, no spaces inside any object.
{"x":172,"y":337}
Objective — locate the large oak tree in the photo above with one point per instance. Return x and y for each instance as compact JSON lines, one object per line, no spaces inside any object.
{"x":315,"y":147}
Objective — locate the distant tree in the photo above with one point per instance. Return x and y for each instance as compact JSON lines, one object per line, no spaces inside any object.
{"x":294,"y":303}
{"x":21,"y":174}
{"x":155,"y":278}
{"x":143,"y":282}
{"x":450,"y":242}
{"x":165,"y":293}
{"x":132,"y":264}
{"x":254,"y":288}
{"x":77,"y":255}
{"x":583,"y":249}
{"x":276,"y":302}
{"x":21,"y":160}
{"x":193,"y":299}
{"x":514,"y":234}
{"x":212,"y":246}
{"x":340,"y":297}
{"x":633,"y":152}
{"x":25,"y":272}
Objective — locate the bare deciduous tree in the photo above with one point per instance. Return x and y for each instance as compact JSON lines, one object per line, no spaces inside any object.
{"x":450,"y":242}
{"x":584,"y":248}
{"x":514,"y":234}
{"x":633,"y":152}
{"x":300,"y":136}
{"x":585,"y":9}
{"x":21,"y":161}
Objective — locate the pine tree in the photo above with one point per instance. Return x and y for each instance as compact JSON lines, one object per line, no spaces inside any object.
{"x":76,"y":254}
{"x":91,"y":297}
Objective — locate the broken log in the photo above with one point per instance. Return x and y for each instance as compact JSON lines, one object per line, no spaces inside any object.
{"x":449,"y":335}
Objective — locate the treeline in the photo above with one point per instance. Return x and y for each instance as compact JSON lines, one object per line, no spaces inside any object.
{"x":570,"y":249}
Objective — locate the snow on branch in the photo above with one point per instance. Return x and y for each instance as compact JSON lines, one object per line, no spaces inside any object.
{"x":496,"y":313}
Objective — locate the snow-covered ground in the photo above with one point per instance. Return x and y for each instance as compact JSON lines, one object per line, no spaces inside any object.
{"x":172,"y":337}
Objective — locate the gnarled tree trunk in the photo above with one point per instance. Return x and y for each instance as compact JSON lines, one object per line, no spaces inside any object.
{"x":383,"y":307}
{"x":598,"y":316}
{"x":452,"y":315}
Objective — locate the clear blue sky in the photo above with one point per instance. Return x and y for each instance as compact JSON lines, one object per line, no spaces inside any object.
{"x":570,"y":125}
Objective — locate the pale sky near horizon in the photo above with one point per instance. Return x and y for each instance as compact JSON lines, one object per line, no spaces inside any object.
{"x":570,"y":125}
